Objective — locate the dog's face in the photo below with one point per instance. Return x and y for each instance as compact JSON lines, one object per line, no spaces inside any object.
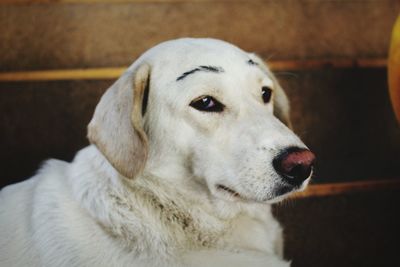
{"x":215,"y":114}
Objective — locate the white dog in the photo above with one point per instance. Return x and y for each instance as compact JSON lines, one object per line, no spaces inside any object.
{"x":188,"y":150}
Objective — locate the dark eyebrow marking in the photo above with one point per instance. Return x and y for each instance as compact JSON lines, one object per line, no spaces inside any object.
{"x":251,"y":62}
{"x":201,"y":68}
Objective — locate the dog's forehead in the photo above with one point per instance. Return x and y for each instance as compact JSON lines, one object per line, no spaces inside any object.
{"x":183,"y":55}
{"x":194,"y":46}
{"x":176,"y":59}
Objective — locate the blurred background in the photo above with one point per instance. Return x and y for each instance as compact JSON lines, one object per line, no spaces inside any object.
{"x":58,"y":57}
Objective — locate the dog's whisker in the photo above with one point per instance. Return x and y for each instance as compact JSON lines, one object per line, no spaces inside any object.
{"x":270,"y":57}
{"x":286,"y":73}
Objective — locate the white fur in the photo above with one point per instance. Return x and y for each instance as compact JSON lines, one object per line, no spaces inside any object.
{"x":85,"y":213}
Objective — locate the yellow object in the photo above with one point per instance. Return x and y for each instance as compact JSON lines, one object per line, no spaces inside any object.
{"x":394,"y":69}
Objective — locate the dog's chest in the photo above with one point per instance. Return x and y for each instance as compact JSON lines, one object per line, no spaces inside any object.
{"x":199,"y":230}
{"x":191,"y":229}
{"x":254,"y":234}
{"x":150,"y":223}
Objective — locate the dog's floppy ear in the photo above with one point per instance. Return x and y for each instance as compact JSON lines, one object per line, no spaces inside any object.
{"x":281,"y":101}
{"x":116,"y":128}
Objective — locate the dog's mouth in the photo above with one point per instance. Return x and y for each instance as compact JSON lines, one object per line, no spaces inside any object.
{"x":279,"y":193}
{"x":285,"y":190}
{"x":227,"y":190}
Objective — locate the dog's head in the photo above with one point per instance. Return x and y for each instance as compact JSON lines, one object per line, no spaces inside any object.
{"x":203,"y":110}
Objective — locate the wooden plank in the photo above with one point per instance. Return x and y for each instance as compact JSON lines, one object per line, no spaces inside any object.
{"x":346,"y":230}
{"x":70,"y":35}
{"x":72,"y":74}
{"x":113,"y":73}
{"x":284,"y":65}
{"x":322,"y":190}
{"x":17,"y":2}
{"x":20,"y":2}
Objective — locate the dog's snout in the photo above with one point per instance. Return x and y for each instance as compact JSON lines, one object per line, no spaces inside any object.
{"x":294,"y":164}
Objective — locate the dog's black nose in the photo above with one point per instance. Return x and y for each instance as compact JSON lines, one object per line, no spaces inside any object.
{"x":294,"y":164}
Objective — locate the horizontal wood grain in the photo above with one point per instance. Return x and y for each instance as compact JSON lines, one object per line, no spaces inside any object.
{"x":331,"y":189}
{"x":113,"y":73}
{"x":17,"y":2}
{"x":71,"y":74}
{"x":283,"y":65}
{"x":104,"y":34}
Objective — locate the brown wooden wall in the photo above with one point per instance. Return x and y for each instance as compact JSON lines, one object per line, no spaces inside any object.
{"x":342,"y":113}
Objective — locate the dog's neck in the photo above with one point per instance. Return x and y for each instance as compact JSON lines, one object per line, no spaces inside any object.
{"x":148,"y":208}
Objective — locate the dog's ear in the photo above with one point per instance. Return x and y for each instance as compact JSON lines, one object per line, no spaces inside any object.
{"x":281,"y":101}
{"x":116,"y":128}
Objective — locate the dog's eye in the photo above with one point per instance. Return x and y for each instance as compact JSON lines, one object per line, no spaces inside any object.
{"x":207,"y":103}
{"x":266,"y":94}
